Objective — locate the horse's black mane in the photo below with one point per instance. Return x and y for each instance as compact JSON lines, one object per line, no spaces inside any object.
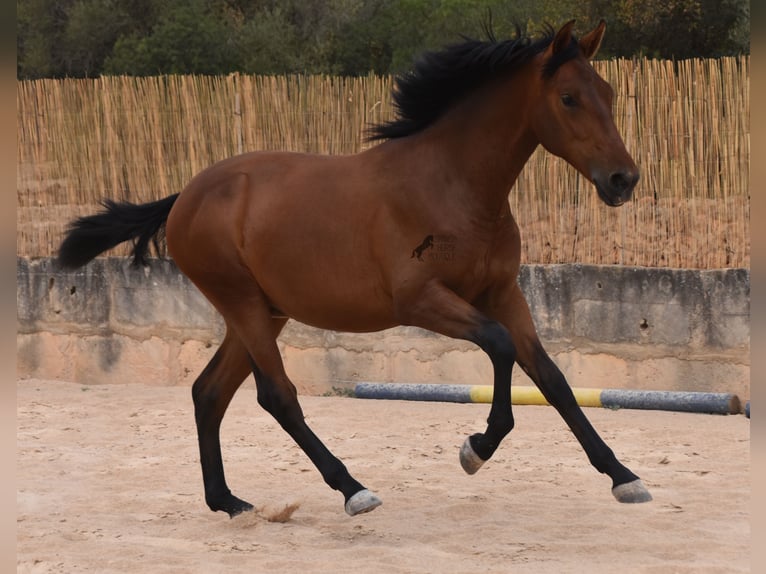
{"x":440,"y":79}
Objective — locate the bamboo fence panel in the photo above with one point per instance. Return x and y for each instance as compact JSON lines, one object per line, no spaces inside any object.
{"x":138,"y":139}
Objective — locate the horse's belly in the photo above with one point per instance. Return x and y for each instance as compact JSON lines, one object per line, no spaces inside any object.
{"x":332,"y":311}
{"x":342,"y":320}
{"x":335,"y":291}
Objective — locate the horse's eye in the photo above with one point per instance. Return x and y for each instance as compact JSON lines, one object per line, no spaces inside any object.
{"x":568,"y":100}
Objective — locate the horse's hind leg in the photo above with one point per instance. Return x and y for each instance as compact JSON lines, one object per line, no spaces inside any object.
{"x":511,"y":308}
{"x":212,"y":392}
{"x":278,"y":396}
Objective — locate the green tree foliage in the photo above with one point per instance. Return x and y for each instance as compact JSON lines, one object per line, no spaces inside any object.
{"x":90,"y":32}
{"x":40,"y":24}
{"x":679,"y":28}
{"x":80,"y":38}
{"x":196,"y":36}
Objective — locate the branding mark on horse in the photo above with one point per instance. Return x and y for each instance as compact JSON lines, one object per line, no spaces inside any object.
{"x":427,"y":243}
{"x":436,"y":248}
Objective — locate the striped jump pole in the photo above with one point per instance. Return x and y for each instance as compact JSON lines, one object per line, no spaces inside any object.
{"x":693,"y":402}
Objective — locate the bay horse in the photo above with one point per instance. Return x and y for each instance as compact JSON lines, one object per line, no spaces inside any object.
{"x":328,"y":240}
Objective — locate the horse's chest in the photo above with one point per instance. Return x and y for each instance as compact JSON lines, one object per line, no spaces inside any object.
{"x":469,"y":269}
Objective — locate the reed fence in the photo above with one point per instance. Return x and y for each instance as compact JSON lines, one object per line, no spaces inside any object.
{"x":686,"y":124}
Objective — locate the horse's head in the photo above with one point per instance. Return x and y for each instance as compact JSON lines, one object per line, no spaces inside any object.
{"x":572,"y":115}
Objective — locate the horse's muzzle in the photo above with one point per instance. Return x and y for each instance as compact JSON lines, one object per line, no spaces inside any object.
{"x":617,"y":188}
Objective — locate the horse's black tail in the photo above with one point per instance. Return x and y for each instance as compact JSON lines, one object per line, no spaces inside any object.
{"x":90,"y":236}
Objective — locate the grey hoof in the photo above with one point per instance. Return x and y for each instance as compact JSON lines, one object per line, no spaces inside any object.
{"x":469,"y":460}
{"x":630,"y":492}
{"x":363,"y":501}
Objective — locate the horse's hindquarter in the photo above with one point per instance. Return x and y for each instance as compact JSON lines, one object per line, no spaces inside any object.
{"x":299,"y":224}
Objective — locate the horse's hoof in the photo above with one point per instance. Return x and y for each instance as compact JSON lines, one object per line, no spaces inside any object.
{"x":239,"y":508}
{"x":363,"y":501}
{"x":469,"y":460}
{"x":633,"y":491}
{"x":229,"y":504}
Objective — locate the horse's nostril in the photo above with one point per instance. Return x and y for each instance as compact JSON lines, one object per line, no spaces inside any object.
{"x":623,"y":181}
{"x":618,"y":181}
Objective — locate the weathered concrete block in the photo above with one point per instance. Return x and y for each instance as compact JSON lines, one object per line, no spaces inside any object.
{"x":725,"y":310}
{"x":643,"y":323}
{"x":158,"y":297}
{"x":548,"y":293}
{"x":49,"y":297}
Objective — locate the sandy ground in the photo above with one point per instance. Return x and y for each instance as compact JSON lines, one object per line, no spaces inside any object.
{"x":108,"y":481}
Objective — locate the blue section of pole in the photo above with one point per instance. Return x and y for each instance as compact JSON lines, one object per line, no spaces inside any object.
{"x":414,"y":392}
{"x":691,"y":402}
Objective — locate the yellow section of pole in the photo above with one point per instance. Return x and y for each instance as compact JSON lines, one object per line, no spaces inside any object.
{"x":532,"y":396}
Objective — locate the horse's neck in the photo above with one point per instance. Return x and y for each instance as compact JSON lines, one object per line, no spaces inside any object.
{"x":482,"y":145}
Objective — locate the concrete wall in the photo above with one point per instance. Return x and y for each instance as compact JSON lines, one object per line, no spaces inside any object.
{"x":606,"y":327}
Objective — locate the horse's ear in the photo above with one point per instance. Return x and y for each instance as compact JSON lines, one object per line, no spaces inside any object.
{"x":563,"y":38}
{"x":591,"y":42}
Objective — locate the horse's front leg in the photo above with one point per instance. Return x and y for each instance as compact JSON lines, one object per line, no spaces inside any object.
{"x":441,"y":310}
{"x":508,"y":305}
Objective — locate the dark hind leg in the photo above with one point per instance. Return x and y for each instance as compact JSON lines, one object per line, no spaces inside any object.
{"x":278,"y":396}
{"x":212,"y":392}
{"x":531,"y":356}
